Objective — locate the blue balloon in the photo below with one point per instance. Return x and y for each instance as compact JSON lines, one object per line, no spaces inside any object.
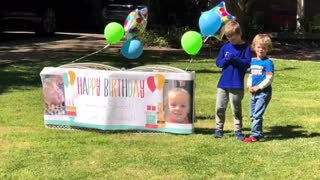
{"x":209,"y":23}
{"x":132,"y":49}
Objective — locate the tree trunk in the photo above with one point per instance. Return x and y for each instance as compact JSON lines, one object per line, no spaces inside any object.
{"x":301,"y":25}
{"x":241,"y":9}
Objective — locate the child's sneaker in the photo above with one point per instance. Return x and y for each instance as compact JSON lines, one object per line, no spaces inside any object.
{"x":218,"y":133}
{"x":239,"y":136}
{"x":251,"y":139}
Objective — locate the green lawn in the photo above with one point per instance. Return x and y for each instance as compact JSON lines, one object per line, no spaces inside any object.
{"x":28,"y":150}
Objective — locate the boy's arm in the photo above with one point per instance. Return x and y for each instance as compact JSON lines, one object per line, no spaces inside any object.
{"x":269,"y":76}
{"x":221,"y":61}
{"x":249,"y":84}
{"x":249,"y":80}
{"x":267,"y":81}
{"x":243,"y":63}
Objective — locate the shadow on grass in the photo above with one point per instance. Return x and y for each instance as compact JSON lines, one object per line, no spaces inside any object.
{"x":286,"y":69}
{"x":210,"y":131}
{"x":17,"y":78}
{"x":289,"y":132}
{"x":205,"y":71}
{"x":206,"y":131}
{"x":23,"y":56}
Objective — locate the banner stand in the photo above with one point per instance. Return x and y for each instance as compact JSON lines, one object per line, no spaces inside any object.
{"x":92,"y":96}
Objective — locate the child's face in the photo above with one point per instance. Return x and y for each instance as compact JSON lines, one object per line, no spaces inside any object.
{"x":261,"y":51}
{"x":53,"y":95}
{"x":178,"y":104}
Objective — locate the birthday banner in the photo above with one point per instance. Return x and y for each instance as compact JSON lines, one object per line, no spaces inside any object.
{"x":119,"y":100}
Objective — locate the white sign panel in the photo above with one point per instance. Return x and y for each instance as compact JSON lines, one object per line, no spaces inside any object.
{"x":119,"y":100}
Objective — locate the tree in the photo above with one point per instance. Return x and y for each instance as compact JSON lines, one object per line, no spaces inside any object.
{"x":239,"y":8}
{"x":164,"y":13}
{"x":242,"y":10}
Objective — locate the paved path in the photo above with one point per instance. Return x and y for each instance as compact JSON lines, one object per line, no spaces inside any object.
{"x":27,"y":47}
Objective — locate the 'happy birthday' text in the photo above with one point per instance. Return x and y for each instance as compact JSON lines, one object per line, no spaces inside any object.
{"x":111,"y":87}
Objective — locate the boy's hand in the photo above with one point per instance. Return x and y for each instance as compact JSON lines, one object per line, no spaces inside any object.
{"x":253,"y":89}
{"x":250,"y":89}
{"x":228,"y":56}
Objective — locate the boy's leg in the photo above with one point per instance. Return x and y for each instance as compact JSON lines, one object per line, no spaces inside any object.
{"x":252,"y":105}
{"x":262,"y":101}
{"x":221,"y":106}
{"x":236,"y":96}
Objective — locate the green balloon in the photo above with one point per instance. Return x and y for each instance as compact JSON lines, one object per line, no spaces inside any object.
{"x":113,"y":32}
{"x":191,"y":42}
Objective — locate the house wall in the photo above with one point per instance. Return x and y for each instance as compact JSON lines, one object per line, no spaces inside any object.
{"x":312,"y":8}
{"x":312,"y":15}
{"x":280,"y":15}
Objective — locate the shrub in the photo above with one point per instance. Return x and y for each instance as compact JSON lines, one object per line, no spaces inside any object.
{"x":163,"y":38}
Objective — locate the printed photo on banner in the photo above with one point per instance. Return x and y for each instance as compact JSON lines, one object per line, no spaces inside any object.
{"x":53,"y":91}
{"x":178,"y":97}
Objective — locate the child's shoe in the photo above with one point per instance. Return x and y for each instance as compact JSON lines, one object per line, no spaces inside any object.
{"x":218,"y":133}
{"x":239,"y":136}
{"x":251,"y":139}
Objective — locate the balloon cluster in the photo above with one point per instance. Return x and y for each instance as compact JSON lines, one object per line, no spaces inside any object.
{"x":135,"y":22}
{"x":225,"y":17}
{"x":211,"y":24}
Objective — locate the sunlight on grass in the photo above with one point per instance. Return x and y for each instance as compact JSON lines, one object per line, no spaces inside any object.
{"x":311,"y":120}
{"x":9,"y":130}
{"x":8,"y":144}
{"x":28,"y":150}
{"x":303,"y":98}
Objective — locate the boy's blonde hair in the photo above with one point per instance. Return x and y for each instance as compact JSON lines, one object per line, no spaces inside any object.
{"x":231,"y":28}
{"x":263,"y":40}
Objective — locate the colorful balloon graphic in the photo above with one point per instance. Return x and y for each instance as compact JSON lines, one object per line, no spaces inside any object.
{"x":68,"y":78}
{"x":151,"y":83}
{"x":160,"y":81}
{"x":156,"y":82}
{"x":65,"y":79}
{"x":72,"y":77}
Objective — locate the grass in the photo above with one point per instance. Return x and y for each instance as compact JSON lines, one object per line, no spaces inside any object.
{"x":28,"y":150}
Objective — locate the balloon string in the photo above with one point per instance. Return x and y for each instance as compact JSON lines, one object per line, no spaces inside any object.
{"x":91,"y":53}
{"x":189,"y":63}
{"x":205,"y":40}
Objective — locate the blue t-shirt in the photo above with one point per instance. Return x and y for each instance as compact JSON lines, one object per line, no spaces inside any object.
{"x":234,"y":69}
{"x":259,"y":70}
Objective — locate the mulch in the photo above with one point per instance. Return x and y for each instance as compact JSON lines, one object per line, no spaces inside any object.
{"x":304,"y":51}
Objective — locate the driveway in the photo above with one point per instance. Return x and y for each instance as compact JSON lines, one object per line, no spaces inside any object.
{"x":24,"y":46}
{"x":20,"y":47}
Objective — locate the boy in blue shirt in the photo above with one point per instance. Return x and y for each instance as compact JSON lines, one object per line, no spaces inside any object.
{"x":259,"y":84}
{"x":234,"y":59}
